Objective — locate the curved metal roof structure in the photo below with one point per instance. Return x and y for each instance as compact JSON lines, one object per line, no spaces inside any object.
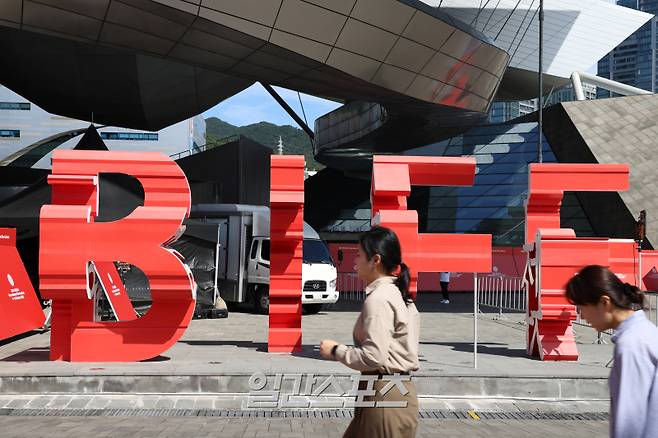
{"x":577,"y":34}
{"x":408,"y":72}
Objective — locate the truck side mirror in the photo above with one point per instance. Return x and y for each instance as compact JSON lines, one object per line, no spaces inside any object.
{"x":340,"y":256}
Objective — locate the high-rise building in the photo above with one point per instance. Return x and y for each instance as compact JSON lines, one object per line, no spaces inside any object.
{"x":633,"y":62}
{"x":26,"y":129}
{"x":501,"y":112}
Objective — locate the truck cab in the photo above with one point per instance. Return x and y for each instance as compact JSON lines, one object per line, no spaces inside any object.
{"x":318,"y":272}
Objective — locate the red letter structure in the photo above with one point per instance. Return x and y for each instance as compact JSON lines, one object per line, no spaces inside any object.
{"x":392,"y":178}
{"x":286,"y":236}
{"x":20,"y":310}
{"x":555,"y":254}
{"x":71,"y":238}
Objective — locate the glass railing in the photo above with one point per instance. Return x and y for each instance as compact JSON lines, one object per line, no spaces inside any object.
{"x":207,"y":146}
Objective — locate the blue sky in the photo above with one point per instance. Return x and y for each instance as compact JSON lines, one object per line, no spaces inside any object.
{"x":255,"y":105}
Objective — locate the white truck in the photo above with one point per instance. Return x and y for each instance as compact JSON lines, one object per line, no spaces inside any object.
{"x":240,"y":235}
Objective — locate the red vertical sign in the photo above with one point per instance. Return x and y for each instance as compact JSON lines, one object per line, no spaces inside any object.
{"x":286,"y":235}
{"x":20,"y":310}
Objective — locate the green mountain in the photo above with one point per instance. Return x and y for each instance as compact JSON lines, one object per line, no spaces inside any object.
{"x":295,"y":141}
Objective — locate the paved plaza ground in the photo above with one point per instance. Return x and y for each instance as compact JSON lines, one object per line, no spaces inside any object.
{"x":68,"y":427}
{"x":194,"y":388}
{"x":238,"y":344}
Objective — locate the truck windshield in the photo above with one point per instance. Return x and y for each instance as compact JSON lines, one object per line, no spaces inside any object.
{"x":315,"y":251}
{"x":265,"y":250}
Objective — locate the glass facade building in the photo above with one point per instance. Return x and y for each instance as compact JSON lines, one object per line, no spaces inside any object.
{"x":632,"y":62}
{"x":20,"y":106}
{"x":494,"y":204}
{"x":136,"y":136}
{"x":502,"y":112}
{"x":10,"y":133}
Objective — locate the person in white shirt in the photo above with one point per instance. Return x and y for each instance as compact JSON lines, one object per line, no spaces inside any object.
{"x":445,"y":282}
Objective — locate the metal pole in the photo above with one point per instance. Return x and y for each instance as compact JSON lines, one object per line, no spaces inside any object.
{"x":653,"y":54}
{"x":217,"y":249}
{"x":475,"y":320}
{"x":289,"y":110}
{"x":577,"y":86}
{"x":639,"y":269}
{"x":608,"y":84}
{"x":501,"y":296}
{"x":540,"y":154}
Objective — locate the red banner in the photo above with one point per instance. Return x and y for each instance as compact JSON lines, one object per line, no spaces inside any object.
{"x":20,"y":310}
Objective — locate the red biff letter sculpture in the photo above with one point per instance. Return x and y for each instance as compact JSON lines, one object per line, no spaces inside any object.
{"x":392,"y":178}
{"x":70,"y":238}
{"x":555,"y":254}
{"x":286,"y":237}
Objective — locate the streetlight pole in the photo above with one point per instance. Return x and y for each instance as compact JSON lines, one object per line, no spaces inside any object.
{"x":540,"y":154}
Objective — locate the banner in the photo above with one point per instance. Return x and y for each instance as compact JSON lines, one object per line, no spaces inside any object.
{"x":20,"y":310}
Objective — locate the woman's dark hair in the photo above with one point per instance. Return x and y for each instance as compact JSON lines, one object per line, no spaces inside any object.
{"x":594,"y":281}
{"x":383,"y":241}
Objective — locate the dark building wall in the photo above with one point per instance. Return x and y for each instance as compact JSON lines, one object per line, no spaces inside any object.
{"x":234,"y":173}
{"x":624,"y":130}
{"x":337,"y":204}
{"x":589,"y":132}
{"x":606,"y":211}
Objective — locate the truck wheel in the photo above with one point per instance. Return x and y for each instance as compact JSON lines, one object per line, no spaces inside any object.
{"x":311,"y":309}
{"x":262,"y":300}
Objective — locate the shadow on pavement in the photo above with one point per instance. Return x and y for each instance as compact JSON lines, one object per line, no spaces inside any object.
{"x":496,"y":349}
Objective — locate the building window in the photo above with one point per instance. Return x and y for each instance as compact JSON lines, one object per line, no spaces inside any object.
{"x":25,"y":106}
{"x":10,"y":133}
{"x":132,"y":136}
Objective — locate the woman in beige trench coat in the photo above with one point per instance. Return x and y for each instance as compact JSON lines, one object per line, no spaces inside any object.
{"x":385,"y":341}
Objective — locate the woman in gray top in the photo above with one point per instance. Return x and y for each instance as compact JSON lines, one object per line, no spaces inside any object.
{"x":608,"y":303}
{"x":385,"y":342}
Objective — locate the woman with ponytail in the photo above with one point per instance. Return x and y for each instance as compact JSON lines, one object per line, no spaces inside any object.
{"x":385,"y":337}
{"x":608,"y":303}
